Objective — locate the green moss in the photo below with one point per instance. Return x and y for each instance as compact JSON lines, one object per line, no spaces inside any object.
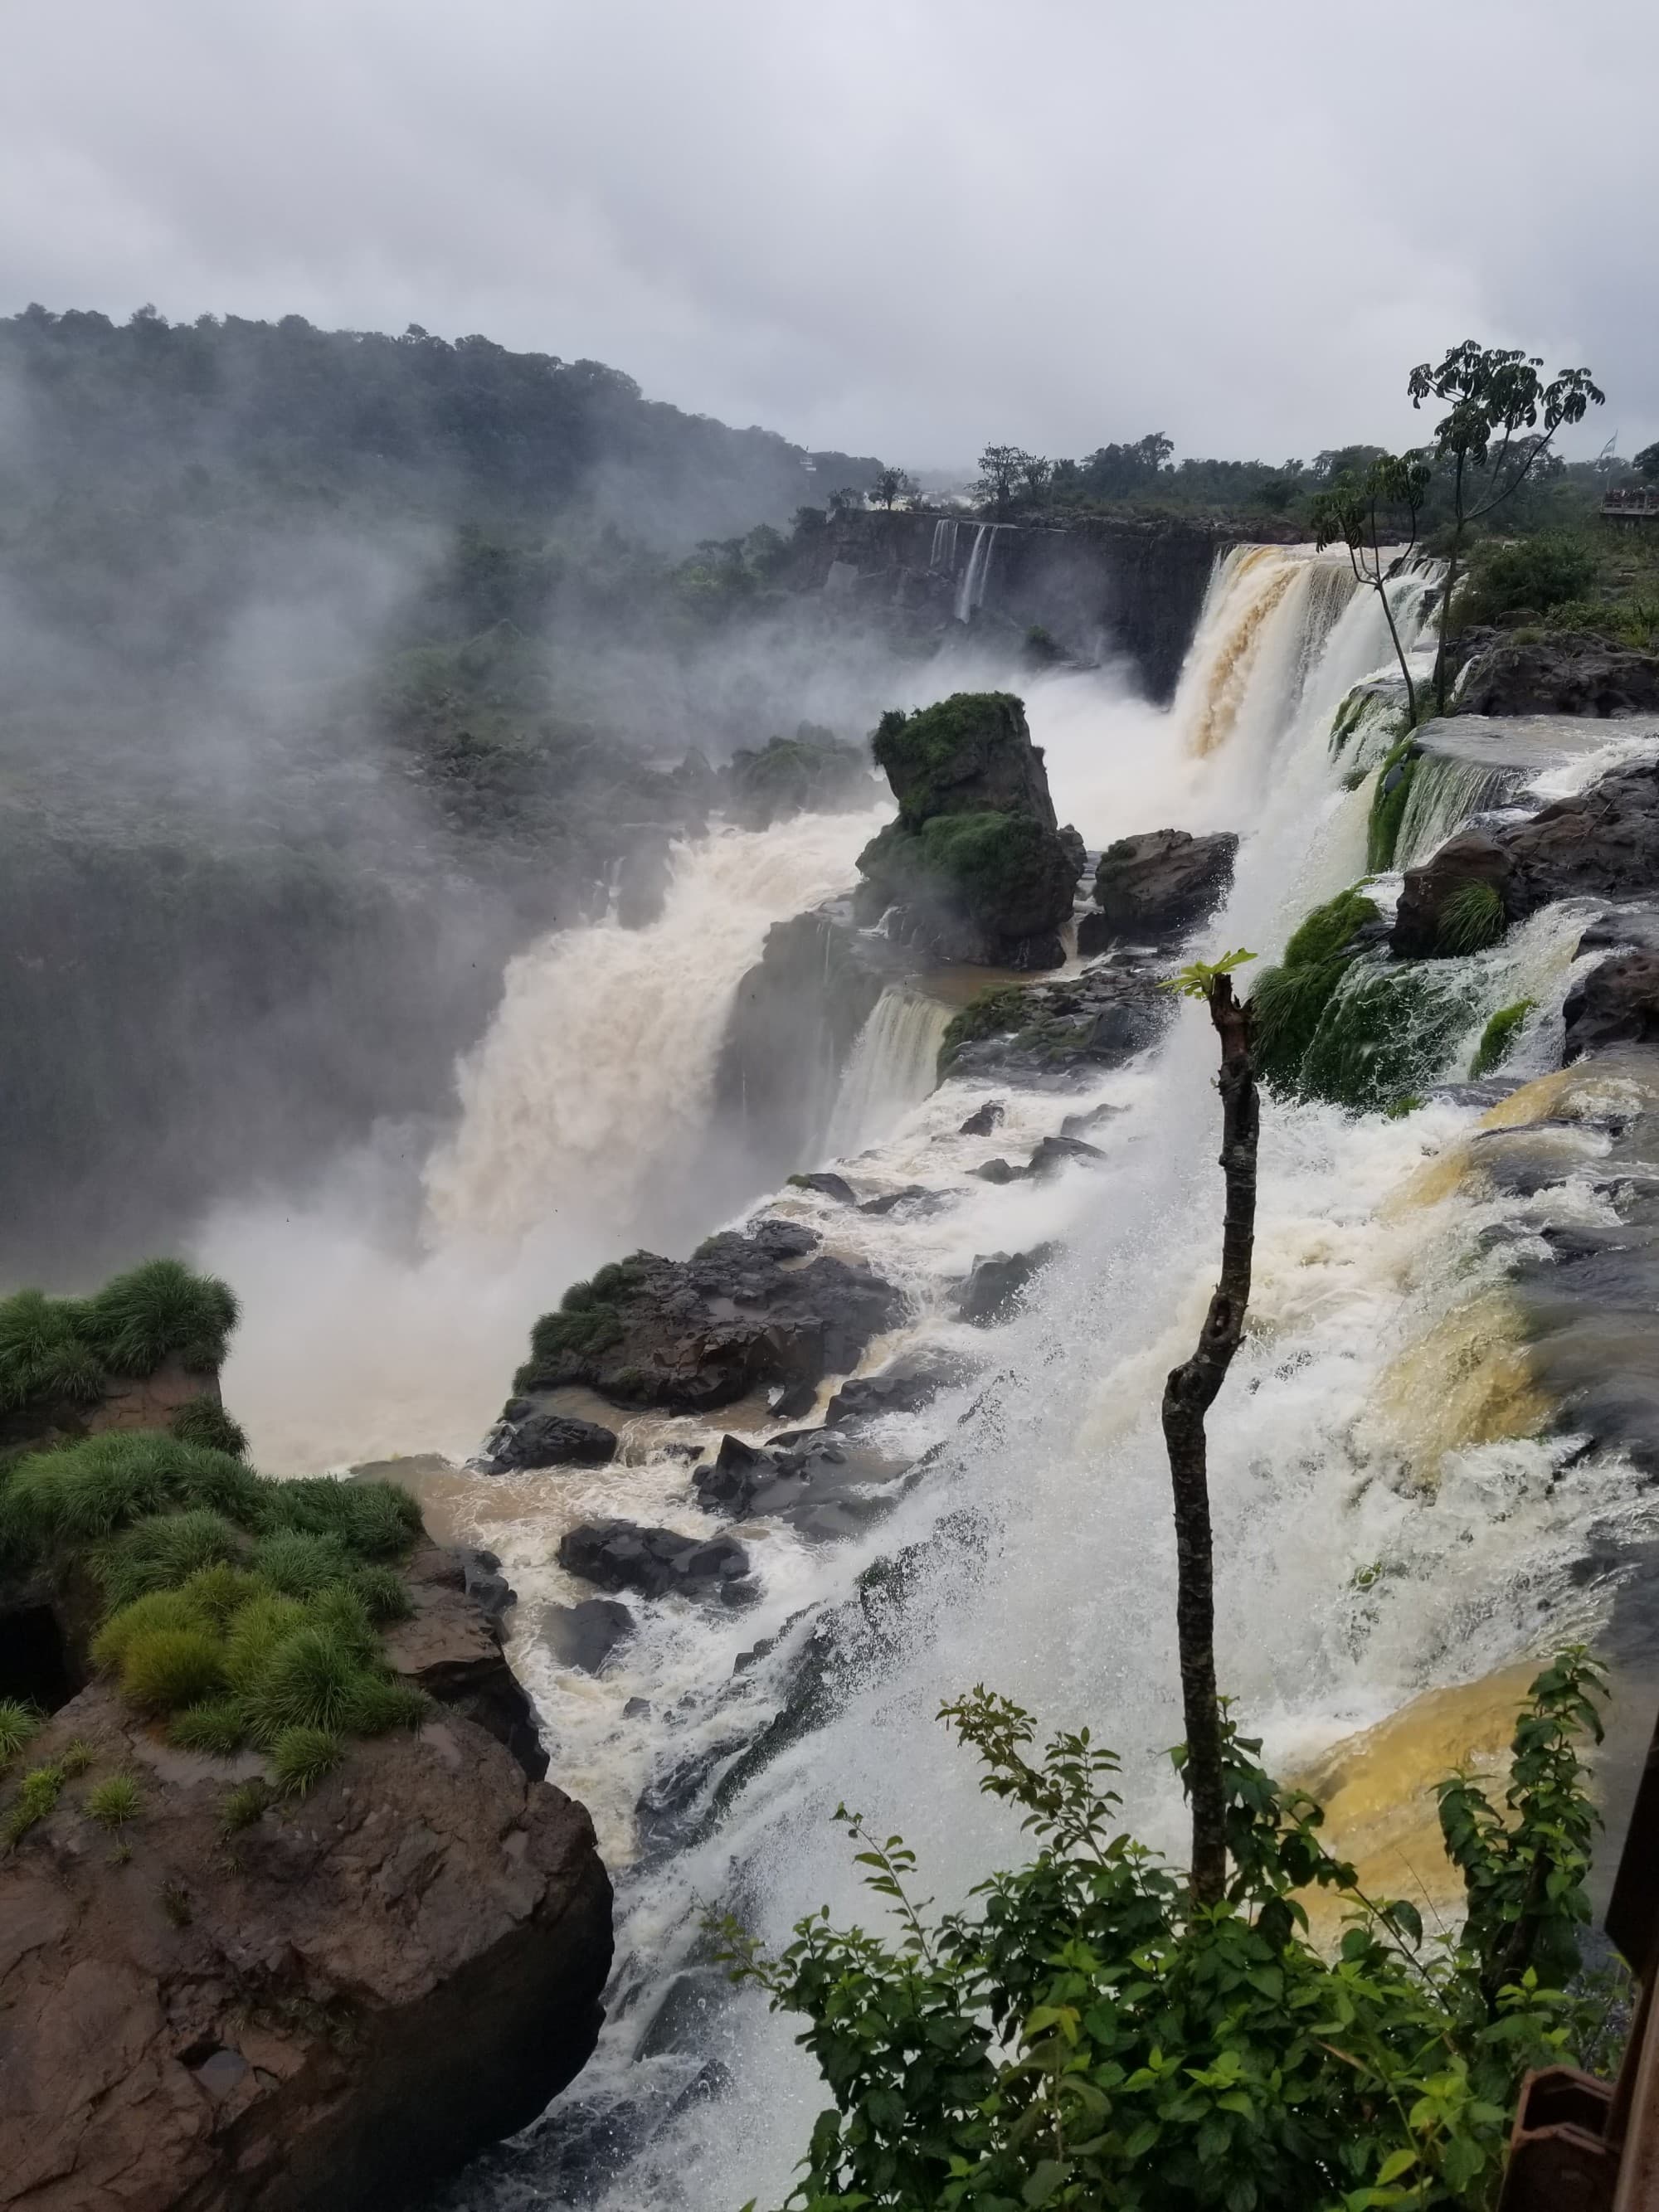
{"x":994,"y":1011}
{"x":923,"y":754}
{"x":1289,"y":1001}
{"x":159,"y":1610}
{"x":203,"y":1420}
{"x":1325,"y":932}
{"x":1389,"y":809}
{"x":1471,"y":919}
{"x":1384,"y":1032}
{"x":1497,"y":1038}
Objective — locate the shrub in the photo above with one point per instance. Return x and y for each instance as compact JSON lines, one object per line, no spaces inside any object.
{"x":588,"y":1322}
{"x":376,"y":1520}
{"x":218,"y":1727}
{"x":18,"y":1723}
{"x":1497,"y":1038}
{"x":341,"y":1614}
{"x":378,"y":1704}
{"x":1471,"y":919}
{"x":1528,"y":574}
{"x":114,"y":1802}
{"x":164,"y":1550}
{"x":301,"y":1757}
{"x":203,"y":1420}
{"x":37,"y":1794}
{"x":221,"y":1590}
{"x":158,"y":1309}
{"x":245,"y":1805}
{"x":162,"y":1668}
{"x":307,"y":1683}
{"x":299,"y":1564}
{"x":93,"y":1488}
{"x":160,"y":1610}
{"x":1080,"y":2036}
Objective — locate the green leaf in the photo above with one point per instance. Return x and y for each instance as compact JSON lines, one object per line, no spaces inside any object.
{"x":1396,"y":2163}
{"x":1046,"y":2176}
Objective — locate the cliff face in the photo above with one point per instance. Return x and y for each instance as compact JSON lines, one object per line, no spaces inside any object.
{"x":1100,"y":587}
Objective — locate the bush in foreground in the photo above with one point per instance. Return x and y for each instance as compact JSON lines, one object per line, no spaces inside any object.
{"x":1083,"y":2036}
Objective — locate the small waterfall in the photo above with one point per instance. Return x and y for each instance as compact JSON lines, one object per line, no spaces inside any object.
{"x":970,"y":591}
{"x":942,"y":553}
{"x":894,"y":1066}
{"x":1445,"y":794}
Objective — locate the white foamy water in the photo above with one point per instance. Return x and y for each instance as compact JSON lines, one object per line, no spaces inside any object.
{"x":893,"y":1066}
{"x":1366,"y":1549}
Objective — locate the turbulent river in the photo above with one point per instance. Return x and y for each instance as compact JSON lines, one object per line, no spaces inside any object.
{"x":1388,"y":1521}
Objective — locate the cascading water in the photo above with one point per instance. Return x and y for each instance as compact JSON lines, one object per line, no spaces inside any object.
{"x":894,"y":1066}
{"x":1051,"y":1575}
{"x":942,"y":553}
{"x":970,"y":591}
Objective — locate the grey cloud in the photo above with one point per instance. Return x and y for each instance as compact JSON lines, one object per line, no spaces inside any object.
{"x":903,"y":227}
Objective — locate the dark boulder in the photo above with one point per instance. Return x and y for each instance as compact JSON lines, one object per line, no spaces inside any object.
{"x":827,"y":1185}
{"x":995,"y":1281}
{"x":539,"y":1439}
{"x":983,"y":1119}
{"x":1090,"y":1118}
{"x":1076,"y":850}
{"x":905,"y":1387}
{"x":969,"y":754}
{"x":813,"y":772}
{"x":585,"y":1634}
{"x":1603,"y":841}
{"x":1617,"y":1002}
{"x":1156,"y":886}
{"x":1055,"y":1152}
{"x":694,"y":1334}
{"x":816,"y":1479}
{"x":999,"y":1171}
{"x":914,"y":1202}
{"x":620,"y":1555}
{"x":1568,"y":673}
{"x":1050,"y":1036}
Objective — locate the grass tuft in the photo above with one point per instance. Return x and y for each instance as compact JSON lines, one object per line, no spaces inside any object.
{"x":76,"y":1757}
{"x":299,"y":1565}
{"x":163,"y":1668}
{"x":254,"y":1633}
{"x":159,"y":1610}
{"x":301,"y":1757}
{"x":114,"y":1802}
{"x":1471,"y":919}
{"x":383,"y":1592}
{"x":158,"y":1309}
{"x":377,"y":1706}
{"x":218,"y":1727}
{"x":307,"y":1683}
{"x":18,"y":1723}
{"x":245,"y":1805}
{"x":203,"y":1420}
{"x":37,"y":1794}
{"x":165,"y":1549}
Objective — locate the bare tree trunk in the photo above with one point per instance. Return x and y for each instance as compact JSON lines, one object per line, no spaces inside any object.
{"x":1188,"y":1395}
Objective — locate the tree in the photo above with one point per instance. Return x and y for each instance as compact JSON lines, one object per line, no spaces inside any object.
{"x":891,"y":485}
{"x":1035,"y":475}
{"x":1000,"y":468}
{"x":1350,"y":514}
{"x":1188,"y":1393}
{"x":1646,"y":462}
{"x":1492,"y":437}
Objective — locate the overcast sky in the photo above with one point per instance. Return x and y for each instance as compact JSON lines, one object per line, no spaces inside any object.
{"x":899,"y":226}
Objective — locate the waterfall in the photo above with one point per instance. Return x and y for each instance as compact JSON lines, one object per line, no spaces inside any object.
{"x":894,"y":1066}
{"x":1444,"y":793}
{"x":970,"y":591}
{"x":942,"y":553}
{"x":587,"y":1102}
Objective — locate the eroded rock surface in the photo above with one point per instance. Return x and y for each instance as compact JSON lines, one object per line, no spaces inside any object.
{"x":1565,"y":674}
{"x":1156,"y":886}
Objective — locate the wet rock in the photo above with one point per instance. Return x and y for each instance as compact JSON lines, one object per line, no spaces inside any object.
{"x":1604,"y":843}
{"x":1076,"y":851}
{"x":484,"y":1582}
{"x":913,"y":1203}
{"x":793,"y":1401}
{"x":1568,"y":673}
{"x":621,"y":1555}
{"x":740,"y":1314}
{"x":999,"y":1171}
{"x":814,"y":771}
{"x":1054,"y":1034}
{"x":827,"y":1185}
{"x":1156,"y":886}
{"x":1055,"y":1152}
{"x":286,"y":2035}
{"x":1075,"y":1124}
{"x":995,"y":1281}
{"x":903,"y":1388}
{"x":813,"y":1479}
{"x":984,"y":1119}
{"x":539,"y":1439}
{"x":451,"y":1647}
{"x":969,"y":754}
{"x":1616,"y":1002}
{"x":585,"y":1635}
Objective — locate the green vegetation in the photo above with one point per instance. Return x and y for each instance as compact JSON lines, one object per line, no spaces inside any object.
{"x":18,"y":1723}
{"x":588,"y":1322}
{"x":923,"y":753}
{"x":1375,"y":516}
{"x":69,"y":1348}
{"x":1497,"y":1038}
{"x":203,"y":1420}
{"x":1288,"y":1002}
{"x":1198,"y":978}
{"x":114,"y":1803}
{"x":301,"y":1757}
{"x":243,"y":1805}
{"x":1471,"y":919}
{"x":1003,"y":1006}
{"x":76,"y":1757}
{"x":165,"y":1668}
{"x":1083,"y":2035}
{"x":1394,"y":788}
{"x":37,"y":1794}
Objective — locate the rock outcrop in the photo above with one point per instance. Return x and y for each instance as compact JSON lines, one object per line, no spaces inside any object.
{"x":1566,"y":673}
{"x":1050,"y":1036}
{"x":1156,"y":886}
{"x":1603,"y":842}
{"x":525,"y":1439}
{"x":744,"y":1312}
{"x":995,"y":1281}
{"x":813,"y":772}
{"x":621,"y":1555}
{"x":975,"y":869}
{"x":1614,"y":1003}
{"x":267,"y":2018}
